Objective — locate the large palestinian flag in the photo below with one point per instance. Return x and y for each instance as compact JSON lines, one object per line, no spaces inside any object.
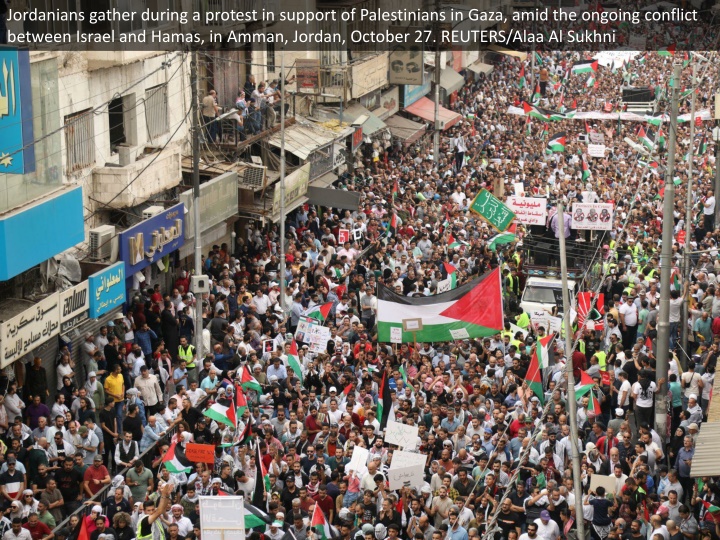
{"x":175,"y":460}
{"x":587,"y":311}
{"x":471,"y":311}
{"x":586,"y":66}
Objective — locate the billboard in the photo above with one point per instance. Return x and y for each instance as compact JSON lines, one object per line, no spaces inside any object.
{"x":152,"y":239}
{"x":592,"y":216}
{"x":17,"y":153}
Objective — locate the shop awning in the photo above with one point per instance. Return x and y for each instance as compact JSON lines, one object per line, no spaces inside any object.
{"x":451,"y":80}
{"x":517,"y":54}
{"x":303,"y":140}
{"x":425,"y":109}
{"x":404,"y":129}
{"x":705,"y":461}
{"x":371,"y":125}
{"x":481,"y":67}
{"x":325,"y":180}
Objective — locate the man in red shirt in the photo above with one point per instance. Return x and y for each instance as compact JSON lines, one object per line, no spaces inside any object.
{"x":312,"y":425}
{"x":38,"y":530}
{"x":96,"y":476}
{"x":325,"y":502}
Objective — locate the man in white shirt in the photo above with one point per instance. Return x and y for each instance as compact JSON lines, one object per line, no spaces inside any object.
{"x":547,"y":528}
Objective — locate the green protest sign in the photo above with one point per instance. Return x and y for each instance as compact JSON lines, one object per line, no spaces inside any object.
{"x":492,"y":210}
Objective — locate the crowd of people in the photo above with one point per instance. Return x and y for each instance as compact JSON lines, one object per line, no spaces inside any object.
{"x":498,"y":453}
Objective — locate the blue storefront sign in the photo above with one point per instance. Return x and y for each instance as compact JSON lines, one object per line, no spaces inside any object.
{"x":151,"y":240}
{"x":107,"y":290}
{"x":410,"y":93}
{"x":41,"y":231}
{"x":17,"y":151}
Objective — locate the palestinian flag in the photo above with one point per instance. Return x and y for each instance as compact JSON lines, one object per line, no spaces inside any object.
{"x":528,"y":125}
{"x":711,"y":509}
{"x":703,"y":146}
{"x":586,"y":174}
{"x":661,"y":138}
{"x":556,"y":116}
{"x":588,"y":129}
{"x":453,"y":243}
{"x":175,"y":460}
{"x":570,"y":113}
{"x":557,"y":142}
{"x":591,"y":81}
{"x":319,"y":312}
{"x":538,"y":59}
{"x":248,"y":382}
{"x":452,"y":274}
{"x":254,"y":517}
{"x":645,"y":140}
{"x":403,"y":373}
{"x":587,"y":312}
{"x":594,"y":405}
{"x":470,"y":311}
{"x":542,"y":350}
{"x":533,"y":378}
{"x":262,"y":479}
{"x":537,"y":95}
{"x":222,"y":414}
{"x":323,"y":529}
{"x":656,"y":120}
{"x":294,"y":360}
{"x":395,"y":190}
{"x":501,"y":239}
{"x":587,"y":66}
{"x":385,"y":412}
{"x":667,"y":51}
{"x":521,"y":79}
{"x":545,"y":131}
{"x":535,"y":112}
{"x":584,"y":386}
{"x":642,"y":59}
{"x":392,"y":225}
{"x":649,"y":164}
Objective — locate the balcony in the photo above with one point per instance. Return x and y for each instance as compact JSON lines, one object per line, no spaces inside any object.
{"x":115,"y":186}
{"x":107,"y":59}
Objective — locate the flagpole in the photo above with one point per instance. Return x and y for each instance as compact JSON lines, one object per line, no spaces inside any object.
{"x":572,"y":401}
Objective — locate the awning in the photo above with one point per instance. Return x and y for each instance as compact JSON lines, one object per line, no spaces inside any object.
{"x":705,"y":461}
{"x":303,"y":140}
{"x":335,"y":198}
{"x":404,"y":129}
{"x":508,"y":52}
{"x":325,"y":180}
{"x":424,"y":108}
{"x":451,"y":80}
{"x":369,"y":126}
{"x":481,"y":67}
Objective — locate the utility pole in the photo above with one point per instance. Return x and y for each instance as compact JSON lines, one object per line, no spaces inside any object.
{"x":663,"y":332}
{"x":572,"y":400}
{"x":196,"y":203}
{"x":716,"y":139}
{"x":688,"y":206}
{"x":436,"y":135}
{"x":282,"y":180}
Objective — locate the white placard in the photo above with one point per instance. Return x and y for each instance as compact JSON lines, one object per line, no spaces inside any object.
{"x":596,"y":138}
{"x":401,"y":435}
{"x":596,"y":150}
{"x":519,"y":188}
{"x":529,"y":210}
{"x":514,"y":328}
{"x":608,"y":482}
{"x":358,"y":463}
{"x":395,"y":334}
{"x":555,"y":324}
{"x":222,"y":518}
{"x":315,"y":335}
{"x":443,"y":286}
{"x":400,"y":477}
{"x":30,"y":329}
{"x":460,"y":333}
{"x":592,"y":216}
{"x":402,"y":459}
{"x":540,"y":318}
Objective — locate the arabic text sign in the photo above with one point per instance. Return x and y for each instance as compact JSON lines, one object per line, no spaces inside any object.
{"x":16,"y":113}
{"x":74,"y":305}
{"x":315,"y":335}
{"x":492,"y":210}
{"x":401,"y":435}
{"x":407,"y":459}
{"x":592,"y":216}
{"x":222,"y":518}
{"x":400,"y":477}
{"x":529,"y":210}
{"x":358,"y":463}
{"x":540,"y":318}
{"x":107,"y":290}
{"x":596,"y":150}
{"x":30,"y":329}
{"x":152,"y":239}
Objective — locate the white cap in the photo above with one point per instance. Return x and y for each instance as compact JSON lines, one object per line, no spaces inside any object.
{"x":692,"y":396}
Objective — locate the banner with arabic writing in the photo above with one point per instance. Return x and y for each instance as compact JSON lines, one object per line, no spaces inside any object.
{"x":528,"y":210}
{"x":492,"y":210}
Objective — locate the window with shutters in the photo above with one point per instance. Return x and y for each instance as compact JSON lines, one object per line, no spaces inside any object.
{"x":156,"y":111}
{"x":80,"y":140}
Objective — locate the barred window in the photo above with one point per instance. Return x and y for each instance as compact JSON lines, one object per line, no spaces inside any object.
{"x":156,"y":111}
{"x":80,"y":140}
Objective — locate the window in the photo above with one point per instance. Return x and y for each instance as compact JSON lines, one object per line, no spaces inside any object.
{"x":156,"y":111}
{"x":271,"y":57}
{"x":116,"y":118}
{"x":80,"y":140}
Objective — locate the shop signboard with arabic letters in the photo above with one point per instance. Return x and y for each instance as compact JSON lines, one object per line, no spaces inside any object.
{"x":107,"y":290}
{"x":30,"y":329}
{"x":592,"y":216}
{"x":152,"y":239}
{"x":74,"y":304}
{"x":529,"y":210}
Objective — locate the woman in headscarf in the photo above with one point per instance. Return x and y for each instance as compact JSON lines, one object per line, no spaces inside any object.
{"x":96,"y":392}
{"x":676,"y":443}
{"x":29,"y":503}
{"x":90,"y":519}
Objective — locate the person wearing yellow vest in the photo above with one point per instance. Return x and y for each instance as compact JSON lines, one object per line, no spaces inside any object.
{"x":150,"y":527}
{"x":187,"y":352}
{"x":523,"y":320}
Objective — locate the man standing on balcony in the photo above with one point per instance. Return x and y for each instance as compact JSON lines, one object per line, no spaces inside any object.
{"x":209,"y":113}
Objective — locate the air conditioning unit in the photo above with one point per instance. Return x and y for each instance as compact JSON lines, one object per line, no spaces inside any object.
{"x":101,"y":242}
{"x":151,"y":211}
{"x":252,"y":177}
